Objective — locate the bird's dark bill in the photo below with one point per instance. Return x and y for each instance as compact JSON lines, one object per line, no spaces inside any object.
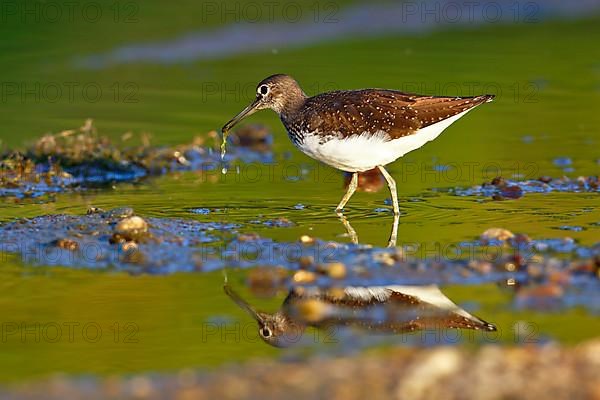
{"x":244,"y":113}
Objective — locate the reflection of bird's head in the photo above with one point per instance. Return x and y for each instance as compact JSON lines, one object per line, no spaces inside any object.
{"x":275,"y":329}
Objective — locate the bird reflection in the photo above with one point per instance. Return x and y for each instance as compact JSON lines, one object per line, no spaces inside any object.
{"x":392,"y":309}
{"x":354,"y":236}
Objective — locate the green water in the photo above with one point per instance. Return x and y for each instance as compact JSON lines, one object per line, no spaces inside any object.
{"x":164,"y":316}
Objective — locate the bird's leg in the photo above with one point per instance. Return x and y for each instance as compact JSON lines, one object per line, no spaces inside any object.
{"x":394,"y":233}
{"x":349,"y":229}
{"x":392,"y":185}
{"x":349,"y":193}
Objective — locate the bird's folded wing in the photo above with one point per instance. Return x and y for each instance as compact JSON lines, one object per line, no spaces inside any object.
{"x":356,"y":112}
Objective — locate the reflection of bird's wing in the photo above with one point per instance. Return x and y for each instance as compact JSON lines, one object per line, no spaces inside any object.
{"x":431,"y":294}
{"x":428,"y":304}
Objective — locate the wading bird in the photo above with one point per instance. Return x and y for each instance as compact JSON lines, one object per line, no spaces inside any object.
{"x":357,"y":130}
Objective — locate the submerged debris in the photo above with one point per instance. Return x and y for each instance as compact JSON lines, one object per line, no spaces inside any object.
{"x":120,"y":239}
{"x":502,"y":189}
{"x":133,"y":229}
{"x":80,"y":158}
{"x":115,"y":238}
{"x":497,"y":234}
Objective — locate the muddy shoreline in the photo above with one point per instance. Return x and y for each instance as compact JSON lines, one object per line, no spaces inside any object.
{"x":491,"y":372}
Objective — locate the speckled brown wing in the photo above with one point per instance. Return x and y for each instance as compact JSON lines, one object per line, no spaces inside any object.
{"x":405,"y":312}
{"x":431,"y":110}
{"x":348,"y":113}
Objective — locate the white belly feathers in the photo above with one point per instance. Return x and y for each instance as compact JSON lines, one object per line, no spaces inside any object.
{"x":366,"y":151}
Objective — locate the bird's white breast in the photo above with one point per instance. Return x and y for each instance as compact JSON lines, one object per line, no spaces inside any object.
{"x":369,"y":150}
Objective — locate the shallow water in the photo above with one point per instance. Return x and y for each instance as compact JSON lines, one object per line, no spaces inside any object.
{"x":162,"y":322}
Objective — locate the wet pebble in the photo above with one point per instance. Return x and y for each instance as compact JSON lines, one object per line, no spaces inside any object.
{"x":305,"y":239}
{"x":67,"y":244}
{"x":335,"y":270}
{"x":121,"y":212}
{"x":501,"y":189}
{"x":130,"y":229}
{"x":248,"y":237}
{"x":303,"y":276}
{"x":305,"y":262}
{"x":497,"y":234}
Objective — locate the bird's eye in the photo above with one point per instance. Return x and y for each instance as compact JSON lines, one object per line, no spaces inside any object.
{"x":263,"y":89}
{"x":265,"y":332}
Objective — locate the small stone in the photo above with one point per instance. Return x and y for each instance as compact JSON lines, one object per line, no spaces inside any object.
{"x":497,"y":234}
{"x":132,"y":254}
{"x":304,"y":277}
{"x":535,"y":270}
{"x":131,"y":224}
{"x":521,"y":238}
{"x":141,"y":387}
{"x":306,"y":262}
{"x":130,"y":229}
{"x":248,"y":237}
{"x":385,"y":258}
{"x":67,"y":244}
{"x":498,"y":181}
{"x":335,"y":270}
{"x":305,"y":239}
{"x":129,"y":247}
{"x":121,"y":212}
{"x":511,"y":192}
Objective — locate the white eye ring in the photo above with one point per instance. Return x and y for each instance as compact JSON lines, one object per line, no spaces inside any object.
{"x":265,"y":332}
{"x":263,"y":90}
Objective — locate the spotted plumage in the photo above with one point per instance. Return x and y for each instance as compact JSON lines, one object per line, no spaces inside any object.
{"x":342,"y":114}
{"x":358,"y":130}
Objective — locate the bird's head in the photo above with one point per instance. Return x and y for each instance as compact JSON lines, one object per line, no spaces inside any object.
{"x":279,"y":92}
{"x":274,"y":329}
